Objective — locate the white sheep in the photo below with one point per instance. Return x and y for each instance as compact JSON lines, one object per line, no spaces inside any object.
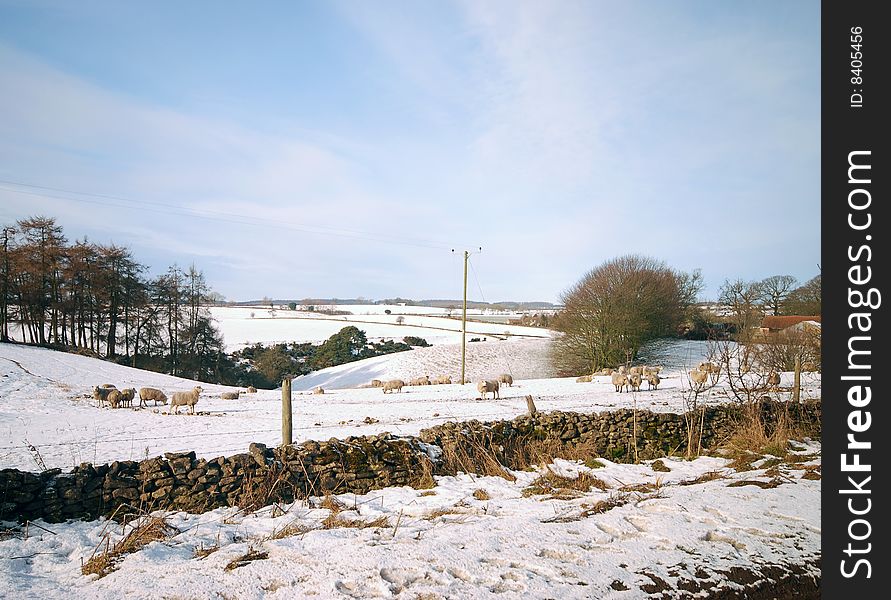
{"x":376,"y":383}
{"x":505,"y":378}
{"x":230,"y":395}
{"x":620,"y":380}
{"x":634,"y":380}
{"x":425,"y":380}
{"x":584,"y":379}
{"x":652,"y":371}
{"x":698,"y":377}
{"x":251,"y":390}
{"x":488,"y":385}
{"x":709,"y":367}
{"x":127,"y":396}
{"x":189,"y":399}
{"x":147,"y":393}
{"x":101,"y":393}
{"x":442,"y":380}
{"x":114,"y":398}
{"x":318,"y":390}
{"x":653,"y":381}
{"x":393,"y":384}
{"x":773,"y":379}
{"x":636,"y":370}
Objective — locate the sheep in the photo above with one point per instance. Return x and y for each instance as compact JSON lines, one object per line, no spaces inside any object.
{"x":318,"y":390}
{"x":634,"y":381}
{"x":619,"y":380}
{"x":425,"y":380}
{"x":488,"y":385}
{"x":709,"y":367}
{"x":147,"y":393}
{"x":652,"y":371}
{"x":114,"y":398}
{"x":636,"y":371}
{"x":189,"y":399}
{"x":623,"y":370}
{"x":230,"y":395}
{"x":698,"y":377}
{"x":376,"y":383}
{"x":251,"y":390}
{"x":653,"y":381}
{"x":773,"y":379}
{"x":127,"y":396}
{"x":505,"y":378}
{"x":584,"y":379}
{"x":393,"y":384}
{"x":101,"y":394}
{"x":442,"y":380}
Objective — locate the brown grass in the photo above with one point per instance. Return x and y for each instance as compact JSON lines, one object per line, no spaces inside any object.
{"x":764,"y":485}
{"x":472,"y":456}
{"x":481,"y":494}
{"x":441,"y":512}
{"x":426,"y":480}
{"x":250,"y":556}
{"x":331,"y":503}
{"x":337,"y":521}
{"x":291,"y":529}
{"x":427,"y":493}
{"x":812,"y":475}
{"x":558,"y":487}
{"x":149,"y":529}
{"x":202,"y":552}
{"x":704,"y":478}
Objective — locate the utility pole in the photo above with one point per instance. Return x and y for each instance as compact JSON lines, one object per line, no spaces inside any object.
{"x":464,"y":316}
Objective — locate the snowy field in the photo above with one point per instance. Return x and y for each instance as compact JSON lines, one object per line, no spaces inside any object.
{"x":243,"y":326}
{"x":469,"y":537}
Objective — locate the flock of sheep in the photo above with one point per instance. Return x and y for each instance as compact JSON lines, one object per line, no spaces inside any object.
{"x":109,"y":394}
{"x":484,"y":386}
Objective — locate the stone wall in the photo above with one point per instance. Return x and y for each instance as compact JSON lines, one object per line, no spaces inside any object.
{"x":357,"y":464}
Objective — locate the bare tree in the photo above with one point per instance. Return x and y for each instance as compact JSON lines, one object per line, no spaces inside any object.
{"x":744,"y":299}
{"x":806,"y":299}
{"x":775,"y":290}
{"x":616,"y":307}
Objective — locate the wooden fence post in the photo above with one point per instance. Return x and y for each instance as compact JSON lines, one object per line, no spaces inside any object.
{"x":796,"y":386}
{"x":286,"y":412}
{"x":531,"y":406}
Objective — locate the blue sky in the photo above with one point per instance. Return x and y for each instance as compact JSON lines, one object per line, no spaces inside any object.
{"x":295,"y":149}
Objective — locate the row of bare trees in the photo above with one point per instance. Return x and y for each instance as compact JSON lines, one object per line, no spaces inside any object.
{"x":749,"y":301}
{"x":97,"y":299}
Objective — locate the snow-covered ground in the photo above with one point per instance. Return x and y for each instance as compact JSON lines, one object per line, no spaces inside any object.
{"x":46,"y":402}
{"x":243,"y":326}
{"x":441,"y":543}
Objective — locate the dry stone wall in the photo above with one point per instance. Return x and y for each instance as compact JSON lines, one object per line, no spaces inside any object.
{"x":357,"y":464}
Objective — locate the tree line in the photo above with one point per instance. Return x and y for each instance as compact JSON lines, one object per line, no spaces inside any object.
{"x":96,"y":298}
{"x":627,"y":301}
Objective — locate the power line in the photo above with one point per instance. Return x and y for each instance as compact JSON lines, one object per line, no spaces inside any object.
{"x":216,"y":215}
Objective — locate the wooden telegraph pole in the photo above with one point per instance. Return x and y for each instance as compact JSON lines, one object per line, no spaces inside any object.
{"x":464,"y":316}
{"x":287,"y":430}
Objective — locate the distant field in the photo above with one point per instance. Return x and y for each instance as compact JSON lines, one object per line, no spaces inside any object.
{"x":244,"y":326}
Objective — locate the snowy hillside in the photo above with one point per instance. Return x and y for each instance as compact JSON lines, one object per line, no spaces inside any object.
{"x":46,"y":402}
{"x":468,"y":537}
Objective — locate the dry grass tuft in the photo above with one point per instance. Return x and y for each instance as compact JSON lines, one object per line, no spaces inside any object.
{"x":247,"y":558}
{"x":331,"y":503}
{"x":147,"y":530}
{"x":704,"y":478}
{"x":812,"y":475}
{"x":337,"y":521}
{"x":426,"y":480}
{"x":202,"y":552}
{"x":481,"y":494}
{"x":427,"y":493}
{"x":441,"y":512}
{"x":764,"y":485}
{"x":563,"y":488}
{"x":472,"y":456}
{"x":293,"y":528}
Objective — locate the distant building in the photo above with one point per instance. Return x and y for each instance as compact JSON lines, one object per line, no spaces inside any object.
{"x":775,"y":324}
